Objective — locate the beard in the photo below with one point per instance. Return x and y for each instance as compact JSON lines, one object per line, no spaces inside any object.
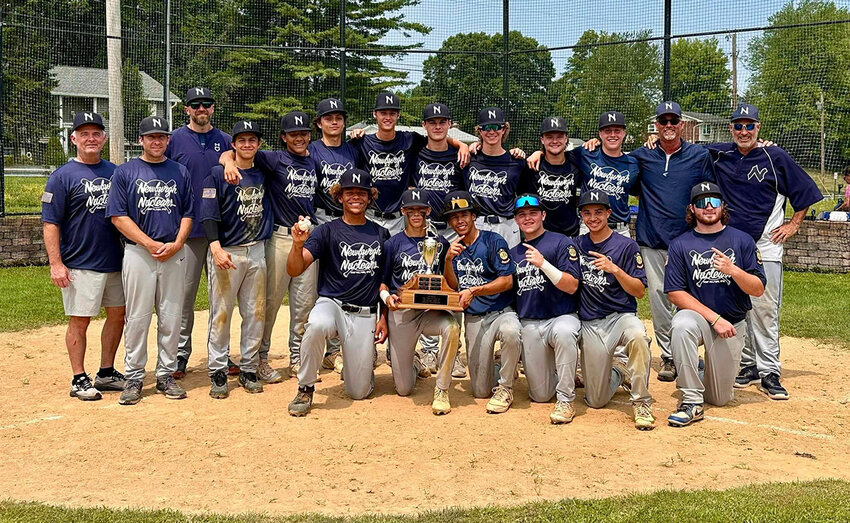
{"x":705,"y":220}
{"x":200,"y":119}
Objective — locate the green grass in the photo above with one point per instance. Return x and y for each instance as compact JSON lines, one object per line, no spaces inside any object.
{"x":823,"y":500}
{"x":23,"y":194}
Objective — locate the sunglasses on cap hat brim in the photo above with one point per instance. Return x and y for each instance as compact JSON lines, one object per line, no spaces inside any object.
{"x":528,"y":201}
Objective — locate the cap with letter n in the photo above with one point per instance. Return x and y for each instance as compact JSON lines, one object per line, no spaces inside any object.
{"x":87,"y":118}
{"x":244,"y":127}
{"x":458,"y":201}
{"x":154,"y":125}
{"x":387,"y":100}
{"x":436,"y":110}
{"x":553,"y":124}
{"x":705,"y":189}
{"x":198,"y":93}
{"x":611,"y":118}
{"x":294,"y":121}
{"x":491,"y":115}
{"x":414,"y":198}
{"x":668,"y":108}
{"x":746,"y":112}
{"x":329,"y":106}
{"x":355,"y":179}
{"x":594,"y":197}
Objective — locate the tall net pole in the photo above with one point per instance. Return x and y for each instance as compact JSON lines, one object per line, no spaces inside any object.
{"x":113,"y":64}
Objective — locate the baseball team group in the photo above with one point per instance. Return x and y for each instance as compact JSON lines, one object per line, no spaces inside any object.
{"x":539,"y":249}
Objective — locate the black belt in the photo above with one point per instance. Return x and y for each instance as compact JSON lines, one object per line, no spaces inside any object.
{"x":359,"y":309}
{"x":616,"y":224}
{"x":492,"y":219}
{"x":439,"y":225}
{"x":386,"y":215}
{"x":333,"y":212}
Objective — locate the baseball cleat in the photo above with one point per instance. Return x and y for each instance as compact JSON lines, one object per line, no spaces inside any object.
{"x":338,"y":363}
{"x":501,"y":400}
{"x":458,"y":370}
{"x":232,"y":368}
{"x":168,"y":387}
{"x":430,"y":360}
{"x":218,"y":385}
{"x":114,"y":381}
{"x":83,"y":389}
{"x":422,"y":371}
{"x":579,"y":379}
{"x":180,"y":373}
{"x":267,"y":374}
{"x":771,"y":386}
{"x":747,"y":376}
{"x":686,"y":414}
{"x":302,"y":402}
{"x":132,"y":392}
{"x":667,"y":372}
{"x":293,"y":368}
{"x":328,"y":361}
{"x":250,"y":382}
{"x":441,"y":404}
{"x":626,"y":378}
{"x":643,"y":416}
{"x":563,"y":413}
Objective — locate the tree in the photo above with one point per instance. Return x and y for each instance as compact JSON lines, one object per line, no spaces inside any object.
{"x":474,"y":80}
{"x":793,"y":68}
{"x":699,"y":77}
{"x":609,"y":71}
{"x":136,"y":108}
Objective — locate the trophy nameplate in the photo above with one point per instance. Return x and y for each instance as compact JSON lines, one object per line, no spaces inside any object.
{"x":429,"y":290}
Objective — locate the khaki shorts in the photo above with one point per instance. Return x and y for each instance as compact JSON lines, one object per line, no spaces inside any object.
{"x":91,"y":290}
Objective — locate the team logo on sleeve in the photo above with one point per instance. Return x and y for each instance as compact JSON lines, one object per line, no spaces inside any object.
{"x":208,"y":193}
{"x":758,"y":256}
{"x":639,"y":260}
{"x":359,"y":258}
{"x":156,"y":195}
{"x":96,"y":192}
{"x":572,"y":253}
{"x":704,"y":272}
{"x":47,"y":197}
{"x":503,"y":256}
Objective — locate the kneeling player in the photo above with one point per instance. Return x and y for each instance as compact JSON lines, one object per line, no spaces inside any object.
{"x":612,"y":278}
{"x":404,"y":259}
{"x":711,"y":273}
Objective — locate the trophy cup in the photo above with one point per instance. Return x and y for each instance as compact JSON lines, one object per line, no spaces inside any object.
{"x":429,"y":290}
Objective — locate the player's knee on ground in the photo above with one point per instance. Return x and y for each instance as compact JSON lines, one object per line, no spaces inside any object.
{"x":539,"y":393}
{"x":482,"y":391}
{"x":358,"y":389}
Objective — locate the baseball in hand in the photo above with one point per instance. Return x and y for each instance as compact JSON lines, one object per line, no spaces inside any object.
{"x":304,"y":224}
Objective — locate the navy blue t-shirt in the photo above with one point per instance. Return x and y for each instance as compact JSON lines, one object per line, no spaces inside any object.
{"x":389,"y":164}
{"x":557,"y":187}
{"x":492,"y":181}
{"x":404,"y":259}
{"x":352,"y":260}
{"x":665,"y":191}
{"x":75,"y":200}
{"x":437,"y":173}
{"x":616,"y":176}
{"x":536,"y":295}
{"x":600,"y":292}
{"x":156,"y":196}
{"x":199,"y":152}
{"x":690,"y":268}
{"x":331,"y":162}
{"x":479,"y":264}
{"x":243,"y":210}
{"x":291,"y":182}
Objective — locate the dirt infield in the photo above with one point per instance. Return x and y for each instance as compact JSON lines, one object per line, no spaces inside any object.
{"x":390,"y":454}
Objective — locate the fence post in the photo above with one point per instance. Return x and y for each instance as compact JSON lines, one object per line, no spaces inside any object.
{"x":668,"y":15}
{"x":2,"y":137}
{"x":166,"y":84}
{"x":342,"y":51}
{"x":506,"y":28}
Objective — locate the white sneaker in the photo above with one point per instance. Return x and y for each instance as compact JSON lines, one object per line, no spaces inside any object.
{"x":83,"y":389}
{"x":501,"y":401}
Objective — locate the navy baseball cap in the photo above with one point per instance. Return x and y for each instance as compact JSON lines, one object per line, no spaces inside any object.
{"x":527,"y":201}
{"x":87,"y":118}
{"x":198,"y":93}
{"x":414,"y":198}
{"x":294,"y":121}
{"x":355,"y":178}
{"x":458,"y":201}
{"x":436,"y":110}
{"x":245,"y":126}
{"x":154,"y":125}
{"x":594,"y":197}
{"x":611,"y":118}
{"x":704,"y":189}
{"x":387,"y":100}
{"x":330,"y":105}
{"x":668,"y":108}
{"x":491,"y":115}
{"x":553,"y":124}
{"x":746,"y":112}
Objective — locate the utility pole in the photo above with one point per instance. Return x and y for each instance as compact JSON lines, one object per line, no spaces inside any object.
{"x":734,"y":71}
{"x":822,"y":109}
{"x":668,"y":17}
{"x":113,"y":64}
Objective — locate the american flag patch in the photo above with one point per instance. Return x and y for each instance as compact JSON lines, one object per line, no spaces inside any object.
{"x":208,"y":192}
{"x":46,"y":197}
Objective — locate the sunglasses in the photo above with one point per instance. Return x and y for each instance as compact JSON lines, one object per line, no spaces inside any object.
{"x":671,"y":121}
{"x":198,"y":105}
{"x":492,"y":127}
{"x":703,"y":203}
{"x":740,"y":126}
{"x":527,"y":200}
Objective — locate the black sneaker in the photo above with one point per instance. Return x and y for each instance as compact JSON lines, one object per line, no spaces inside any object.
{"x":218,"y":385}
{"x":667,"y":372}
{"x":182,"y":362}
{"x":770,"y":385}
{"x":82,"y":388}
{"x":170,"y":388}
{"x":300,"y":406}
{"x":132,"y":392}
{"x":250,"y":383}
{"x":748,"y":375}
{"x":115,"y":381}
{"x":232,"y":368}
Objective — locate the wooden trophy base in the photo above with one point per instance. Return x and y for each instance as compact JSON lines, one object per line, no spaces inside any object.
{"x":429,"y":291}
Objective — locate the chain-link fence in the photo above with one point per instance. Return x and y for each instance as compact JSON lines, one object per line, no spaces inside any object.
{"x":263,"y":58}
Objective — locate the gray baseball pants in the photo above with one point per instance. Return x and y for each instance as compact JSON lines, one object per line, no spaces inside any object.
{"x":722,"y":359}
{"x":151,"y":285}
{"x":302,"y":293}
{"x":196,"y":259}
{"x":654,"y":260}
{"x":550,"y":356}
{"x":761,"y":345}
{"x":599,"y":338}
{"x":432,"y":343}
{"x":507,"y":228}
{"x":405,"y":326}
{"x":394,"y":225}
{"x":355,"y":331}
{"x":482,"y":331}
{"x":247,"y":285}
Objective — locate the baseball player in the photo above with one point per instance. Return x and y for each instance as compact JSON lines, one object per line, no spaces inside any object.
{"x":547,"y":305}
{"x":479,"y":266}
{"x":712,"y":270}
{"x":352,"y":252}
{"x":612,"y":278}
{"x":492,"y":177}
{"x":667,"y":174}
{"x":404,"y":259}
{"x":237,"y":221}
{"x":290,"y":177}
{"x":151,"y":203}
{"x":555,"y":179}
{"x":84,"y":251}
{"x":197,"y":145}
{"x":757,"y":182}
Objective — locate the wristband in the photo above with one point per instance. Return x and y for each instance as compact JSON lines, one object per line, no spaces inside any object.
{"x":551,"y":272}
{"x":715,"y":320}
{"x":384,"y":294}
